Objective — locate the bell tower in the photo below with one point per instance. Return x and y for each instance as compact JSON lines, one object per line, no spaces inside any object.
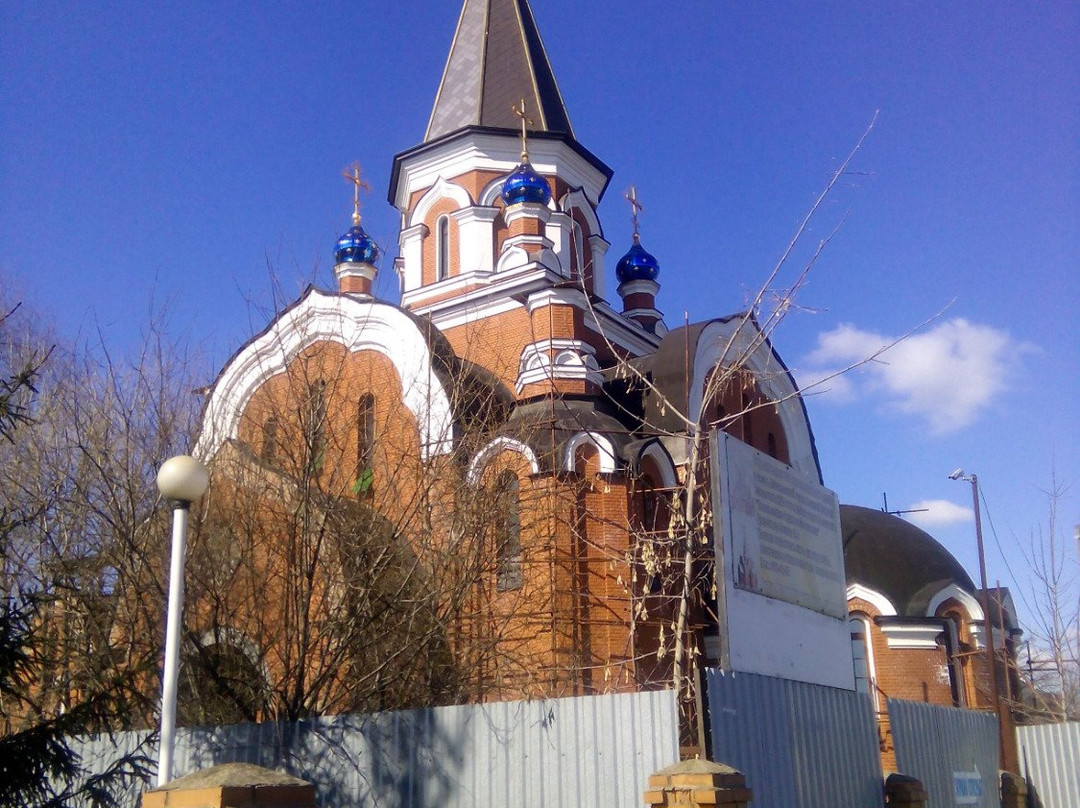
{"x":500,"y":244}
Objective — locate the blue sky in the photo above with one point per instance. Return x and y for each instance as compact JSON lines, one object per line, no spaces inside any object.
{"x":175,"y":150}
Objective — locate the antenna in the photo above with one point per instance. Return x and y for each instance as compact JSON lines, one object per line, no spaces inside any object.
{"x":885,"y":507}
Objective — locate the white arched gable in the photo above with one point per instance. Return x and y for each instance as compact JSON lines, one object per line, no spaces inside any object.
{"x":496,"y":447}
{"x":873,"y":597}
{"x":577,"y":200}
{"x":965,"y":599}
{"x":358,"y":326}
{"x":442,"y":189}
{"x":740,"y":342}
{"x":656,"y":452}
{"x":603,"y":448}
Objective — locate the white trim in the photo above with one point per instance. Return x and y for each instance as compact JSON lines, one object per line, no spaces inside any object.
{"x":495,"y":447}
{"x":441,"y":189}
{"x":501,"y":154}
{"x":638,"y":286}
{"x":603,"y":448}
{"x":358,"y":325}
{"x":656,"y":452}
{"x":632,"y":313}
{"x":575,"y":360}
{"x":971,"y":606}
{"x":911,"y":637}
{"x":873,"y":597}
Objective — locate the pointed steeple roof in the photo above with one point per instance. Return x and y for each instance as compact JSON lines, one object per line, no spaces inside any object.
{"x":497,"y":59}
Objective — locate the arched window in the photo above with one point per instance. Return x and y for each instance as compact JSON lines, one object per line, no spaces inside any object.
{"x":315,"y":427}
{"x":268,"y":454}
{"x":862,"y":656}
{"x":365,"y":444}
{"x":442,"y":248}
{"x":508,"y":531}
{"x":954,"y":654}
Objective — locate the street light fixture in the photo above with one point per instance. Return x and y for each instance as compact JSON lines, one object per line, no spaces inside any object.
{"x":181,"y":480}
{"x":988,"y":628}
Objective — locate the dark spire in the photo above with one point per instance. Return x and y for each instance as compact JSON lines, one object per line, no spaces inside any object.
{"x":496,"y":60}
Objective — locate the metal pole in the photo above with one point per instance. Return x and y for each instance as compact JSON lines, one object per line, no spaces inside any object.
{"x":172,"y":643}
{"x":988,"y":627}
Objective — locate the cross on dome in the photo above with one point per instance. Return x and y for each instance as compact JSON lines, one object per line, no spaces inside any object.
{"x":358,"y":182}
{"x":519,"y":109}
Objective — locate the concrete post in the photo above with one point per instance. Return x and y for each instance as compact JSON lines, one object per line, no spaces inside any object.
{"x":1014,"y":791}
{"x":232,"y":785}
{"x":698,"y":783}
{"x":906,"y":791}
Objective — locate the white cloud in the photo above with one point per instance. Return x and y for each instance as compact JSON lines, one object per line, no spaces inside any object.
{"x":938,"y":513}
{"x":946,"y":375}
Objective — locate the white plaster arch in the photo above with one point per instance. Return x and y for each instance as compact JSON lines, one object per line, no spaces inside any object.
{"x":495,"y":447}
{"x":569,"y":357}
{"x":656,"y":452}
{"x":442,"y":189}
{"x":357,"y":325}
{"x":235,"y":638}
{"x":603,"y":448}
{"x":739,"y":341}
{"x":873,"y":597}
{"x":577,"y":200}
{"x":512,"y":258}
{"x":965,"y":599}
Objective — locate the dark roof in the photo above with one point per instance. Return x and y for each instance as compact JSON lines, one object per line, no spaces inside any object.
{"x":497,"y":59}
{"x":891,"y":556}
{"x":546,"y":425}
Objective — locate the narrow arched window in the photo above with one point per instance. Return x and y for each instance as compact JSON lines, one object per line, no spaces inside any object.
{"x":508,"y":531}
{"x":862,"y":657}
{"x":315,"y":427}
{"x":365,"y":444}
{"x":269,"y":451}
{"x":442,"y":248}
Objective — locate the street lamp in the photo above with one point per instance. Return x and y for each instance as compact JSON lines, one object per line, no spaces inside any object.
{"x":987,"y":625}
{"x":181,"y":480}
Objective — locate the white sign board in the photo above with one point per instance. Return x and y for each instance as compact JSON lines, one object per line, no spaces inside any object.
{"x":784,"y":530}
{"x":780,"y":569}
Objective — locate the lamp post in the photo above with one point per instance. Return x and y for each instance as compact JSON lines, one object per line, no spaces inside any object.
{"x":181,"y":480}
{"x":988,"y":627}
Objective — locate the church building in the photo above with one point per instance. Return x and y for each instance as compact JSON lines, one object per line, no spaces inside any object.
{"x":506,"y":484}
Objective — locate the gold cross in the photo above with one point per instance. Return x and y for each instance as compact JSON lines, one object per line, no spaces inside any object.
{"x":635,"y":208}
{"x":358,"y":182}
{"x":519,"y":110}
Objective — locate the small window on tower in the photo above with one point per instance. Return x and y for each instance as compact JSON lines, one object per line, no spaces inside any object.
{"x":365,"y":444}
{"x":508,"y":531}
{"x":442,"y":249}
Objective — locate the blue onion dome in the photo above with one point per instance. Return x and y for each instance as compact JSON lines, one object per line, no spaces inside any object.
{"x":525,"y":185}
{"x":637,"y":265}
{"x":356,"y":246}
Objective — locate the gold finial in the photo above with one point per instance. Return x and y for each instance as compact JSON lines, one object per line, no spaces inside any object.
{"x":635,"y":209}
{"x":519,"y":110}
{"x":352,"y":174}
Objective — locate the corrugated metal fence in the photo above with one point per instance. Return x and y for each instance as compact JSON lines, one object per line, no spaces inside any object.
{"x":1050,"y":757}
{"x":594,"y":750}
{"x":799,"y":745}
{"x":953,"y":752}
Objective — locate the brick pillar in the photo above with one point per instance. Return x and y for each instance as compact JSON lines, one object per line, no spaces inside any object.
{"x":232,"y":785}
{"x":906,"y":791}
{"x":698,"y":782}
{"x":1014,"y":791}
